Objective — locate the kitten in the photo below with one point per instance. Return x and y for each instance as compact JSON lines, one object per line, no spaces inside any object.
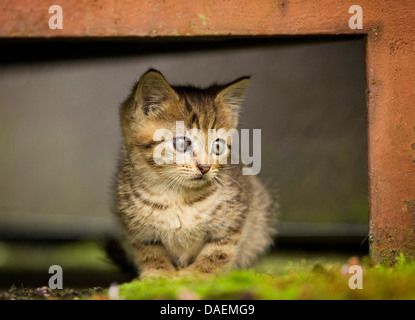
{"x":196,"y":217}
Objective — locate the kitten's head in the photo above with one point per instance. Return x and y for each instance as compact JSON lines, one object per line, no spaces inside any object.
{"x":155,"y":105}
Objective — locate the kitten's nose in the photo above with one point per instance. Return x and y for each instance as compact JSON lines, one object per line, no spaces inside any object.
{"x":204,"y":168}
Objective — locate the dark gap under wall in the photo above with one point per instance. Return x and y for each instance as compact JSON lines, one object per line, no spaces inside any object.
{"x":59,"y":135}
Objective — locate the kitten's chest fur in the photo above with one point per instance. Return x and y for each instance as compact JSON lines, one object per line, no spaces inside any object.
{"x":183,"y":230}
{"x":181,"y":226}
{"x":184,"y":234}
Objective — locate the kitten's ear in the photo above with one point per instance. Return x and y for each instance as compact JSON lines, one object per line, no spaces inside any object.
{"x":152,"y":90}
{"x":232,"y":95}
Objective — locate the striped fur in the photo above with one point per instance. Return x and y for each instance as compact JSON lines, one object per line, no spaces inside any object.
{"x":171,"y":220}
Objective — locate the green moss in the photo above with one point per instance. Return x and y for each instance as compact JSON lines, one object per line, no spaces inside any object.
{"x":297,"y":280}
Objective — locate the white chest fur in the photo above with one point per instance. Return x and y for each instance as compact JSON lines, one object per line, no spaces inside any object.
{"x":182,"y":229}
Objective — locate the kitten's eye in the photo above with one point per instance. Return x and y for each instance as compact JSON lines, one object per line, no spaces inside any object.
{"x":219,"y":147}
{"x":181,"y":144}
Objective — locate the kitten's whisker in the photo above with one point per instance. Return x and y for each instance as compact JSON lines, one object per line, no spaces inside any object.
{"x":221,"y":192}
{"x":165,"y":183}
{"x":239,"y":185}
{"x":230,"y":167}
{"x":227,"y":175}
{"x":176,"y":183}
{"x":221,"y":182}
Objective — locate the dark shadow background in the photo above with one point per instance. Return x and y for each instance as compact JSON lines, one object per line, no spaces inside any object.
{"x":60,"y":136}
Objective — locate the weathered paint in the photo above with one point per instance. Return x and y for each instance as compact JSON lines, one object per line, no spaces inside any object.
{"x":390,"y":30}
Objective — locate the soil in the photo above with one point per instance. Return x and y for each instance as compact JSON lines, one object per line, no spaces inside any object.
{"x":45,"y":293}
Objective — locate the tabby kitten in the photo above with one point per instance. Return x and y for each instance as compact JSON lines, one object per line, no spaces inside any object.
{"x":195,"y":217}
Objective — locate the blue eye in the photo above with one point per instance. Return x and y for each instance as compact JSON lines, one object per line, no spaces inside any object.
{"x":181,"y":144}
{"x":219,"y":147}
